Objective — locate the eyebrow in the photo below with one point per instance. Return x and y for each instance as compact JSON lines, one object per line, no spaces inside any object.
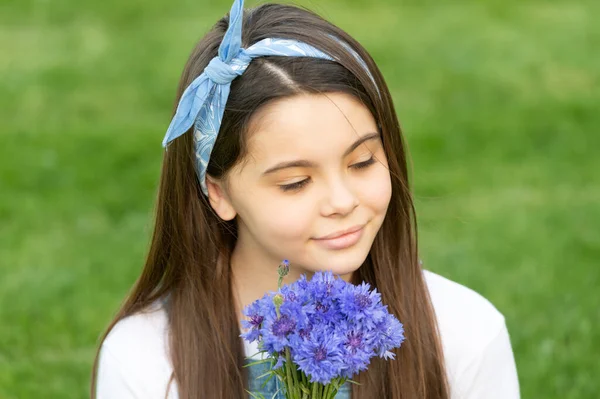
{"x":302,"y":163}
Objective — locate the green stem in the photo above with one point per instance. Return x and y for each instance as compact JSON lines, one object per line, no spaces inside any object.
{"x":289,"y":382}
{"x":294,"y":373}
{"x":305,"y":384}
{"x":326,"y":392}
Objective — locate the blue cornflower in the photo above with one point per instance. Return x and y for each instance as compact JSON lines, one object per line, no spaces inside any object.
{"x":276,"y":331}
{"x":256,"y":312}
{"x":321,"y":355}
{"x":322,"y":292}
{"x":391,"y":335}
{"x":324,"y":287}
{"x":356,"y":350}
{"x":362,"y":305}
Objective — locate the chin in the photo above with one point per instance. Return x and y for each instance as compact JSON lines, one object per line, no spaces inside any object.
{"x":344,"y":268}
{"x":343,"y":264}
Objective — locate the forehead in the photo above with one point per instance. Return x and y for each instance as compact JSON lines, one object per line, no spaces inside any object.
{"x":308,"y":126}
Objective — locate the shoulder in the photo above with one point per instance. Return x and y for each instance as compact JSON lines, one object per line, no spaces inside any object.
{"x":134,"y":358}
{"x":475,"y":340}
{"x":465,"y":317}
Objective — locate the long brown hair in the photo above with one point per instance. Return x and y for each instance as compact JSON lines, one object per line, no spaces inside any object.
{"x":188,"y":259}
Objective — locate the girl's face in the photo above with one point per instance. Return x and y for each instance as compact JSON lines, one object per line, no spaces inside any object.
{"x":316,"y":167}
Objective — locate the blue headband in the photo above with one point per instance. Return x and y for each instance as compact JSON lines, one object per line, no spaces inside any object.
{"x":203,"y":102}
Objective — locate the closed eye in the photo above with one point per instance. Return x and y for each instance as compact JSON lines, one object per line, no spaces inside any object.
{"x":302,"y":183}
{"x":364,"y":164}
{"x":294,"y":186}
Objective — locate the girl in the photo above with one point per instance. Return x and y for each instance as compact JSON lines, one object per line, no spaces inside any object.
{"x":294,"y":151}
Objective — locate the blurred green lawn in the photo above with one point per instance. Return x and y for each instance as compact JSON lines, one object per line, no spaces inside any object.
{"x":499,"y":101}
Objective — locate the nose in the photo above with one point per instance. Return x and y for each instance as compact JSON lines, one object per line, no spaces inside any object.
{"x":340,"y":198}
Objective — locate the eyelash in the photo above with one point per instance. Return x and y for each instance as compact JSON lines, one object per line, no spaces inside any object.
{"x":302,"y":183}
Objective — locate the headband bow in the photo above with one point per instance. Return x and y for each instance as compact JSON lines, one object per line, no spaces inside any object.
{"x":203,"y":102}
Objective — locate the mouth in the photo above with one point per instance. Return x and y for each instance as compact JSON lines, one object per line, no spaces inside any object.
{"x":342,"y":239}
{"x":341,"y":233}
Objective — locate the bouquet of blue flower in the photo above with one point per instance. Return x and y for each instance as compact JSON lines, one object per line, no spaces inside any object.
{"x":318,"y":334}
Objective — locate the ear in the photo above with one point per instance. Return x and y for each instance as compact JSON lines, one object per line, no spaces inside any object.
{"x":219,"y":200}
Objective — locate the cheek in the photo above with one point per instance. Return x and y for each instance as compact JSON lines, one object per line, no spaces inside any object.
{"x":285,"y":221}
{"x":377,"y":190}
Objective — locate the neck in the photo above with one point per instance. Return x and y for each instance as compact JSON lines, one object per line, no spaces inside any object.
{"x":252,"y":278}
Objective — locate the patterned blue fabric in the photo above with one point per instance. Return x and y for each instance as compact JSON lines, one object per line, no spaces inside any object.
{"x":203,"y":102}
{"x":255,"y":385}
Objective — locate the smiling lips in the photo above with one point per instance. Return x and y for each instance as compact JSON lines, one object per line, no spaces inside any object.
{"x":342,"y":239}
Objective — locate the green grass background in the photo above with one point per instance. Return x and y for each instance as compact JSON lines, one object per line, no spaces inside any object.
{"x":499,"y":102}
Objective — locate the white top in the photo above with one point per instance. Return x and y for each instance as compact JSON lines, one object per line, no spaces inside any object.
{"x":134,"y":361}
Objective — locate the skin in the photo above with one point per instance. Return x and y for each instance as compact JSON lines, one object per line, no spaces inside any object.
{"x":274,"y":224}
